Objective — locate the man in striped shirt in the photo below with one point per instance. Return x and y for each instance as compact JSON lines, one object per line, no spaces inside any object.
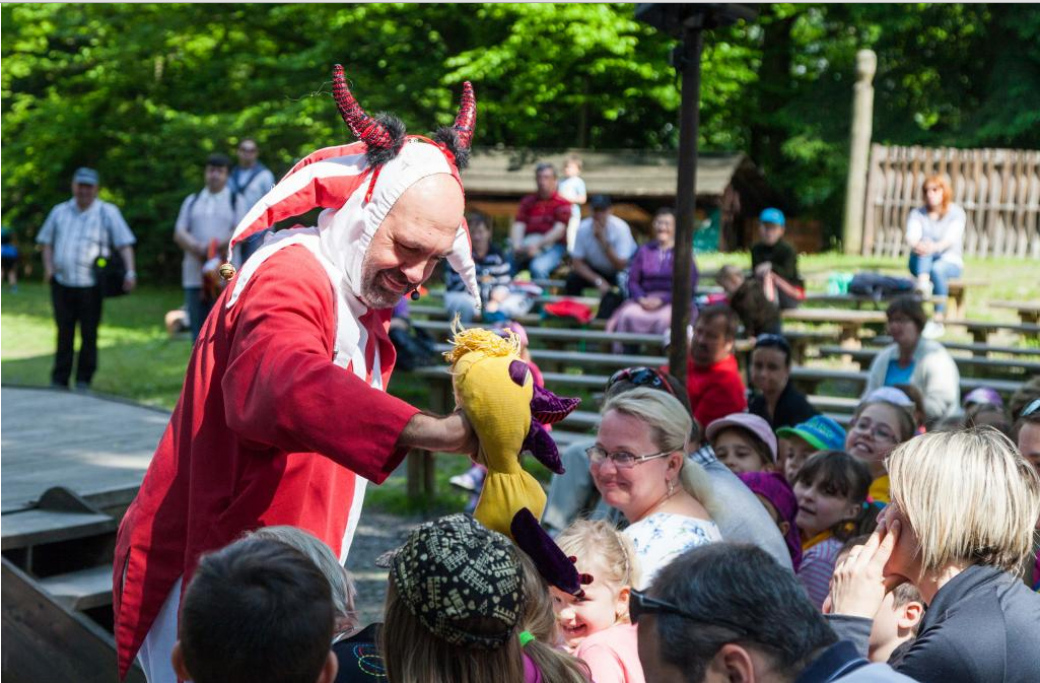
{"x":75,"y":233}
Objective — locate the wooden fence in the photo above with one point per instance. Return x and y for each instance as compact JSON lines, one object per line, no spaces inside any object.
{"x":999,"y":189}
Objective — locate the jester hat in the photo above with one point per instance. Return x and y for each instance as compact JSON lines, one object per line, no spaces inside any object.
{"x":496,"y":390}
{"x":359,"y":183}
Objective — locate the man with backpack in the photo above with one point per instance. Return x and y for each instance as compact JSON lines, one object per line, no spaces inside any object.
{"x":250,"y":180}
{"x":204,"y":226}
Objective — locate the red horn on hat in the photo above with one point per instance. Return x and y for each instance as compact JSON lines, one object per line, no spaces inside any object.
{"x":467,"y":117}
{"x":364,"y":127}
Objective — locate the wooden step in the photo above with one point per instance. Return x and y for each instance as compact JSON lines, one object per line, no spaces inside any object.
{"x":83,"y":589}
{"x":37,"y":527}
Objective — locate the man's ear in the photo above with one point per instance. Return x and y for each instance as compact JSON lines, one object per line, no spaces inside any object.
{"x":330,"y":669}
{"x":910,"y":615}
{"x":177,"y":659}
{"x":734,"y":664}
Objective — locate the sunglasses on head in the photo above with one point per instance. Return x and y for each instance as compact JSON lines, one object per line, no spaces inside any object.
{"x":770,"y":340}
{"x":1031,"y":408}
{"x":639,"y":603}
{"x":642,"y":377}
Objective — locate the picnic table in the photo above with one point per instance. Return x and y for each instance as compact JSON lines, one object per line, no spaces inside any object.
{"x":1014,"y":366}
{"x":850,"y":322}
{"x":1028,"y":311}
{"x":980,"y":331}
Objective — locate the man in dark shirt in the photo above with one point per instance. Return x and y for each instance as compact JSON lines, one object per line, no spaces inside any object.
{"x":775,"y":261}
{"x":540,"y":229}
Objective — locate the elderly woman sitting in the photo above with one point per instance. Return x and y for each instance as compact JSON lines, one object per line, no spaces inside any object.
{"x":639,"y":466}
{"x":910,"y":359}
{"x":959,"y":527}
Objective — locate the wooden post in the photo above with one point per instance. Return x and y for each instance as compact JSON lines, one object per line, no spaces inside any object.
{"x":859,"y":153}
{"x":685,"y":198}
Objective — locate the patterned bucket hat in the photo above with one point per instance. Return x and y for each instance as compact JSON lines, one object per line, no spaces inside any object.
{"x":460,"y":580}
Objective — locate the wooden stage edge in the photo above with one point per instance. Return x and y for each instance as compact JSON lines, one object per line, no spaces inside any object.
{"x":95,"y":445}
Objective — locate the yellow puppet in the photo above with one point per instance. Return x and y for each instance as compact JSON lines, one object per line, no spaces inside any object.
{"x":496,"y":390}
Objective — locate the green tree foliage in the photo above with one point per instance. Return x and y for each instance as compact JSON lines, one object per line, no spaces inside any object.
{"x":145,"y":92}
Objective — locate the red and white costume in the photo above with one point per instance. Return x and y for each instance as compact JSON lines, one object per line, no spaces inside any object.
{"x":283,"y":417}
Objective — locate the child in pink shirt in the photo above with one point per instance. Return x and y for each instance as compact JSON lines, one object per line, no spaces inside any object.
{"x":595,"y":625}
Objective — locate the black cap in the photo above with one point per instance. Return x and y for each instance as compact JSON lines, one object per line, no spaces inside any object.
{"x":601,"y":201}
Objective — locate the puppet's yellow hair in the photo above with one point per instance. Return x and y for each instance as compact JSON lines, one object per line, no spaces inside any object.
{"x":478,"y":339}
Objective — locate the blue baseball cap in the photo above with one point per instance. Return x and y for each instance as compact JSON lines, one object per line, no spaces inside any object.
{"x":819,"y":431}
{"x":85,"y":176}
{"x":772,"y":215}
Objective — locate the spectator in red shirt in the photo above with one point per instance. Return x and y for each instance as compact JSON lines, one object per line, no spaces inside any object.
{"x":712,"y":376}
{"x":539,"y":231}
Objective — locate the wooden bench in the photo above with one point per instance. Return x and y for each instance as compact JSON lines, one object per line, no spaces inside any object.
{"x":980,"y":331}
{"x":863,"y":357}
{"x":858,"y":301}
{"x":980,"y":350}
{"x":83,"y":589}
{"x":1028,"y":312}
{"x":850,"y":322}
{"x":957,"y":309}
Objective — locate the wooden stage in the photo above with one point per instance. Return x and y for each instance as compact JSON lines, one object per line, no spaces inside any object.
{"x":97,"y":447}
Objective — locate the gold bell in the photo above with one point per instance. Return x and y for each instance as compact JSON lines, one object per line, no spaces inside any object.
{"x":226,"y":270}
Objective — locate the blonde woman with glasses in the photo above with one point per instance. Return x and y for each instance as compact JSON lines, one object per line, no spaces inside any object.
{"x":960,"y":525}
{"x":639,"y":466}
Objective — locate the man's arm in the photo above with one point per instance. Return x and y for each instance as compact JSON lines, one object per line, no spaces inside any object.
{"x":579,"y":266}
{"x":48,"y":262}
{"x":130,"y":281}
{"x":181,"y":235}
{"x":516,"y":234}
{"x":558,"y":232}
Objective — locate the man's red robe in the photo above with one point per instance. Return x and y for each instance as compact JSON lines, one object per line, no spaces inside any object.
{"x":268,"y":430}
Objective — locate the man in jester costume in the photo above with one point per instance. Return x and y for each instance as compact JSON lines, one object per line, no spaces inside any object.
{"x":283,"y":417}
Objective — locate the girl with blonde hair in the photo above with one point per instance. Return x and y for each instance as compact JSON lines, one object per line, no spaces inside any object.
{"x":596,"y":624}
{"x":639,"y":466}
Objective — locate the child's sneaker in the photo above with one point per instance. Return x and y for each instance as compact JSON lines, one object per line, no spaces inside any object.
{"x":471,"y":480}
{"x":933,"y":330}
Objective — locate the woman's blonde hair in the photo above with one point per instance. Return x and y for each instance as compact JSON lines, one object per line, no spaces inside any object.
{"x":539,"y":620}
{"x":600,"y":543}
{"x":670,"y":427}
{"x":343,"y":591}
{"x":947,"y":190}
{"x":969,"y":496}
{"x":412,"y":654}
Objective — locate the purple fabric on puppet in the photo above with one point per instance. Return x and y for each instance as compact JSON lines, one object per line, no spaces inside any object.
{"x":777,"y":491}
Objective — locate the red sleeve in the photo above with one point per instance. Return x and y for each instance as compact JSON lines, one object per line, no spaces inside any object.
{"x":524,"y":209}
{"x":281,"y":387}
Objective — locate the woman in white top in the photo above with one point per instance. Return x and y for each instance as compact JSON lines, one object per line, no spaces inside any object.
{"x":935,"y":233}
{"x":639,"y":465}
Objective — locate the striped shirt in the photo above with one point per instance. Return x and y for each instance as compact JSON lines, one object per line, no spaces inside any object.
{"x":79,"y":237}
{"x":817,"y":567}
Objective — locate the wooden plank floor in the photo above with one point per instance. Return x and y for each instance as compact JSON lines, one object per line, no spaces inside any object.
{"x":88,"y":444}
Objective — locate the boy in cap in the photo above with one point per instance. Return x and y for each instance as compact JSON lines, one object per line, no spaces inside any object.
{"x":818,"y":433}
{"x":775,"y":261}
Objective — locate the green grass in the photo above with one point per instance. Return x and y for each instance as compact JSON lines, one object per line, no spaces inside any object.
{"x":136,"y":358}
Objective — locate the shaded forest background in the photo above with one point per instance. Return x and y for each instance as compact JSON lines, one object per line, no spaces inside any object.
{"x":144,"y":92}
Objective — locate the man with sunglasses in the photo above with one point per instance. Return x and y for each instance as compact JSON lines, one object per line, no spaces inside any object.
{"x":754,"y":624}
{"x":741,"y":517}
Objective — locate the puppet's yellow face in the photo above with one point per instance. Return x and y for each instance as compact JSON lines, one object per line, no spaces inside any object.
{"x":498,"y":407}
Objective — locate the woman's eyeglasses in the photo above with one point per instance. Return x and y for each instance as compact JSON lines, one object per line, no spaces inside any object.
{"x":639,"y":603}
{"x":621,"y":459}
{"x":641,"y":377}
{"x":879,"y":432}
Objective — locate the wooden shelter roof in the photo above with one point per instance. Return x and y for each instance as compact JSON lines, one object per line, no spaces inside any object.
{"x":621,"y":173}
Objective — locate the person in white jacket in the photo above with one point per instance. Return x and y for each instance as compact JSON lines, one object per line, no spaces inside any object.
{"x":911,"y":359}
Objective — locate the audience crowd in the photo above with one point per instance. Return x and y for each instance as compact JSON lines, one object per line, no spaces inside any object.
{"x":721,"y":532}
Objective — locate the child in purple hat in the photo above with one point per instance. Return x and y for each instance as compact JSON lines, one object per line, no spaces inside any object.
{"x":778,"y":499}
